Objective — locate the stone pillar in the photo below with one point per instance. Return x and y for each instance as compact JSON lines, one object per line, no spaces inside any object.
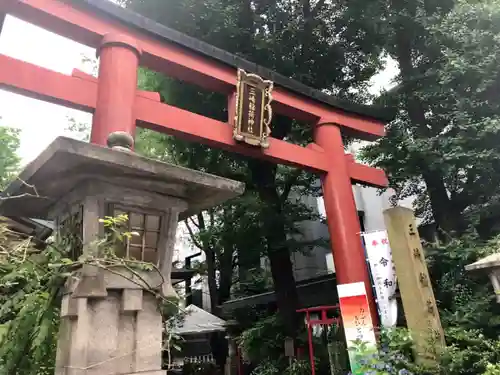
{"x":341,"y":215}
{"x":117,"y":86}
{"x":231,"y":367}
{"x":232,"y":361}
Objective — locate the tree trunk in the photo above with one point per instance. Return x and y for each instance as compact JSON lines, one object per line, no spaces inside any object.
{"x":211,"y":266}
{"x":246,"y":27}
{"x":226,"y":268}
{"x":263,"y":175}
{"x":218,"y":341}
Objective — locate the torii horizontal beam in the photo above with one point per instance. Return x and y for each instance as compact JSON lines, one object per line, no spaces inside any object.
{"x":89,"y":28}
{"x":79,"y":91}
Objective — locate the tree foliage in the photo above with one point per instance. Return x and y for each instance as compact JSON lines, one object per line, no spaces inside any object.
{"x":30,"y":306}
{"x":443,"y":146}
{"x":320,"y":43}
{"x":9,"y":160}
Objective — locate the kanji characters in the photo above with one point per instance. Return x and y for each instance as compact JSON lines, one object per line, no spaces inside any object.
{"x":388,"y":283}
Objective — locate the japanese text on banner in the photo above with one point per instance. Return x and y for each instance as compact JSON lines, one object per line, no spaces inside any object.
{"x":384,"y":275}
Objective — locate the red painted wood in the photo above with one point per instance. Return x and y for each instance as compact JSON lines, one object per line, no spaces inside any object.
{"x":342,"y":218}
{"x":360,"y":173}
{"x":366,"y":175}
{"x":89,"y":29}
{"x":116,"y":89}
{"x":310,"y":342}
{"x":44,"y":84}
{"x":79,"y":91}
{"x":324,"y":320}
{"x":197,"y":128}
{"x":145,"y":94}
{"x":231,"y":108}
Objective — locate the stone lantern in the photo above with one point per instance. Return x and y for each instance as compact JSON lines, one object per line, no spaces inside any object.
{"x":110,"y":323}
{"x":489,"y":265}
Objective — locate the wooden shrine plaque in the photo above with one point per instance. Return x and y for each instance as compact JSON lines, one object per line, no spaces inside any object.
{"x":253,"y":109}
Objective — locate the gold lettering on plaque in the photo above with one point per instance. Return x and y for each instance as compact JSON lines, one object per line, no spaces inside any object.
{"x":253,"y":109}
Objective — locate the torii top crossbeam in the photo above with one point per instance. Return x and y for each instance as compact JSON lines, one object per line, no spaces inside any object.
{"x":125,"y":39}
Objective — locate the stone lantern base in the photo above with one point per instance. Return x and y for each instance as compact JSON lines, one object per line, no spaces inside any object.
{"x":117,"y":321}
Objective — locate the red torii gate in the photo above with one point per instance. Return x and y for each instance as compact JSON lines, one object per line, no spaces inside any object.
{"x":124,"y":40}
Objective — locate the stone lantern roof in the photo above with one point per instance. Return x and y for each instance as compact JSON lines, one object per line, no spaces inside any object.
{"x":490,"y":265}
{"x":490,"y":261}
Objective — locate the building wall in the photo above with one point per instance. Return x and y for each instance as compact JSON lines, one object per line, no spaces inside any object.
{"x":319,"y":262}
{"x":370,"y":203}
{"x":312,"y":263}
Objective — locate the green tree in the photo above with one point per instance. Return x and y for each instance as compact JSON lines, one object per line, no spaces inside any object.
{"x":9,"y":160}
{"x":442,"y":148}
{"x":319,"y":43}
{"x":470,"y":78}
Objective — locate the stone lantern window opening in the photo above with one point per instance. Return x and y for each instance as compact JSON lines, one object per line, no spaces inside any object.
{"x":146,"y":226}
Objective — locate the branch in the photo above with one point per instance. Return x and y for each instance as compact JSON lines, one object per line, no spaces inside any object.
{"x":28,"y":185}
{"x":32,"y":187}
{"x":192,"y":236}
{"x":217,"y":252}
{"x":203,"y":226}
{"x":194,"y":222}
{"x":462,"y":199}
{"x":212,"y":218}
{"x":317,"y":8}
{"x":23,"y":195}
{"x":235,"y":259}
{"x":289,"y":184}
{"x":201,"y":221}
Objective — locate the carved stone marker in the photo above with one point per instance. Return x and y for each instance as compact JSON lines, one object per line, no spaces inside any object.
{"x":422,"y":315}
{"x":109,"y":323}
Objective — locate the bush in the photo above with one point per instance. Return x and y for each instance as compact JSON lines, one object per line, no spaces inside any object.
{"x":492,"y":369}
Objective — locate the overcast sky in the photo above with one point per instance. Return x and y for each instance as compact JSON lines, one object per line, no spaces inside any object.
{"x":41,"y":122}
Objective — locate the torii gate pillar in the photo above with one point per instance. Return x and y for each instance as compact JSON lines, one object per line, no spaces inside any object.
{"x":341,"y":215}
{"x":119,"y":60}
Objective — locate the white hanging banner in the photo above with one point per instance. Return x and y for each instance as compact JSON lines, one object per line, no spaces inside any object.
{"x":383,"y":271}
